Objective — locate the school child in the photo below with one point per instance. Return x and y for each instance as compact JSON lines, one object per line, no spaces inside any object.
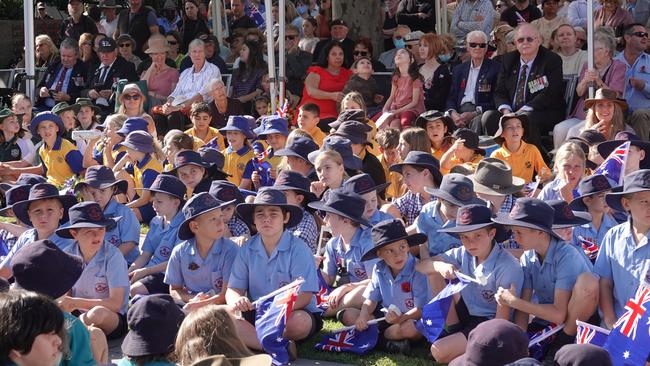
{"x":353,"y":109}
{"x":238,"y":132}
{"x":296,"y":153}
{"x":296,"y":187}
{"x":15,"y":149}
{"x":364,"y":186}
{"x":215,"y":160}
{"x":456,"y":190}
{"x":439,"y":127}
{"x":153,"y":323}
{"x":570,"y":164}
{"x":465,"y":151}
{"x":525,"y":159}
{"x":68,"y":114}
{"x":394,"y":283}
{"x":200,"y":266}
{"x":190,"y":168}
{"x":101,"y":294}
{"x":108,"y":149}
{"x":274,"y":129}
{"x":140,"y":166}
{"x":87,"y":120}
{"x":555,"y":275}
{"x":638,"y":156}
{"x":308,"y":119}
{"x":479,"y":257}
{"x":201,"y":131}
{"x":44,"y":210}
{"x":146,"y":274}
{"x":342,"y":263}
{"x":624,"y":259}
{"x":225,"y":191}
{"x":100,"y":186}
{"x":262,"y":105}
{"x":357,"y":132}
{"x":175,"y":141}
{"x":413,"y":139}
{"x":387,"y":141}
{"x":564,"y":222}
{"x":333,"y":162}
{"x":9,"y":232}
{"x":363,"y":83}
{"x":419,"y":170}
{"x":269,"y":260}
{"x":406,"y":100}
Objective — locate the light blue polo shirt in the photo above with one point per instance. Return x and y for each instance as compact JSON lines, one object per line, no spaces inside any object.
{"x":379,"y":216}
{"x":501,"y":270}
{"x":623,"y":262}
{"x":127,"y":228}
{"x":589,"y":232}
{"x":258,"y":273}
{"x":429,"y":222}
{"x":30,"y":236}
{"x":106,"y":270}
{"x":559,"y":270}
{"x":161,"y":240}
{"x":337,"y":257}
{"x":186,"y":267}
{"x":407,"y":290}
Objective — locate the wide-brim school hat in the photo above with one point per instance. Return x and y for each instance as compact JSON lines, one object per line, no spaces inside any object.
{"x":494,"y":176}
{"x":196,"y":206}
{"x":472,"y":217}
{"x":188,"y":157}
{"x":587,"y":187}
{"x":14,"y":195}
{"x":221,"y":360}
{"x":64,"y":107}
{"x":607,"y":147}
{"x":607,"y":95}
{"x":495,"y":342}
{"x":224,"y":190}
{"x":343,"y":203}
{"x":44,"y":268}
{"x":341,"y":145}
{"x":87,"y":102}
{"x":300,"y":147}
{"x":215,"y":161}
{"x":388,"y":232}
{"x":634,"y":182}
{"x":363,"y":183}
{"x":294,"y":181}
{"x":421,"y":159}
{"x":40,"y":192}
{"x":45,"y":116}
{"x":456,"y":189}
{"x":530,"y":213}
{"x":133,"y":124}
{"x":272,"y":124}
{"x":101,"y":177}
{"x":471,"y":139}
{"x":506,"y":117}
{"x":356,"y":132}
{"x":168,"y":184}
{"x":268,"y":196}
{"x":87,"y":215}
{"x":565,"y":217}
{"x":24,"y":179}
{"x":140,"y":141}
{"x":433,"y":115}
{"x":358,"y":115}
{"x":240,"y":124}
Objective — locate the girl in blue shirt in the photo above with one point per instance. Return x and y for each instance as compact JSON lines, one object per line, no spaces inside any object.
{"x":364,"y":186}
{"x":570,"y":164}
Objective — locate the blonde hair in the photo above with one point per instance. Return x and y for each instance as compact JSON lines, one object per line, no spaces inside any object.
{"x":44,"y":37}
{"x":354,"y":97}
{"x":417,"y":139}
{"x":208,"y":331}
{"x":332,"y":155}
{"x":567,"y":151}
{"x":116,"y":120}
{"x":617,"y":123}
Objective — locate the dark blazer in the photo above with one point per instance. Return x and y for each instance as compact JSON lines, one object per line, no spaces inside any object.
{"x":407,"y":11}
{"x":348,"y":51}
{"x":77,"y":82}
{"x":121,"y":69}
{"x":546,"y":64}
{"x":484,"y":89}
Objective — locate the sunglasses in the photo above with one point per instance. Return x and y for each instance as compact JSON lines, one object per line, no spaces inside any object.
{"x":640,"y":34}
{"x":360,"y":53}
{"x":290,"y":37}
{"x":132,"y":97}
{"x":525,"y":39}
{"x":124,"y":45}
{"x":172,"y":43}
{"x":475,"y":45}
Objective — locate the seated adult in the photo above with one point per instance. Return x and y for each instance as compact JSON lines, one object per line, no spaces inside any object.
{"x":436,"y":77}
{"x":523,"y":11}
{"x":211,"y":53}
{"x":573,"y":58}
{"x":126,"y":45}
{"x":161,"y":78}
{"x":529,"y":82}
{"x":64,"y":79}
{"x":471,"y":15}
{"x":339,"y":31}
{"x":612,"y":15}
{"x":297,"y":60}
{"x":325,"y":82}
{"x":238,"y":18}
{"x":363,"y":48}
{"x":139,"y":21}
{"x":194,"y":24}
{"x":419,"y":15}
{"x":45,"y":52}
{"x":604,"y":114}
{"x":549,"y":22}
{"x":472,"y":83}
{"x":191,"y":87}
{"x":132,"y":101}
{"x":222,"y":106}
{"x":388,"y":57}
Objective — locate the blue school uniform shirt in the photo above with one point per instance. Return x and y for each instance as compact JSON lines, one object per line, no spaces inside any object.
{"x":589,"y":232}
{"x":407,"y":290}
{"x":501,"y":270}
{"x":559,"y":270}
{"x":161,"y":240}
{"x":106,"y":270}
{"x":551,"y":191}
{"x":379,"y":216}
{"x":186,"y":267}
{"x":127,"y":228}
{"x":258,"y":273}
{"x":623,"y":262}
{"x":429,"y":222}
{"x":30,"y":236}
{"x":338,"y":259}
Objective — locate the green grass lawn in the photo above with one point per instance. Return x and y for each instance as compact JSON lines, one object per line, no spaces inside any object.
{"x":420,"y":355}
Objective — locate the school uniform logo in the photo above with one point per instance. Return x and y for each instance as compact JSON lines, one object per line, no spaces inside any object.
{"x":465,"y":217}
{"x":59,"y":159}
{"x":218,"y":283}
{"x":165,"y":251}
{"x":529,"y":165}
{"x":14,"y":153}
{"x":488,"y":296}
{"x":600,"y":183}
{"x":360,"y":272}
{"x":409,"y":303}
{"x":101,"y":287}
{"x":113,"y":239}
{"x":240,"y":166}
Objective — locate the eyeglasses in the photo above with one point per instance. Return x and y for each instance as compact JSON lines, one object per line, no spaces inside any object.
{"x":123,"y":45}
{"x":640,"y":34}
{"x":172,"y":43}
{"x":360,"y":53}
{"x":525,"y":39}
{"x":132,"y":97}
{"x":475,"y":45}
{"x":290,"y":37}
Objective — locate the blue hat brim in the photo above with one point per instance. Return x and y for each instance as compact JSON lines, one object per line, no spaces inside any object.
{"x":466,"y":228}
{"x":439,"y":193}
{"x":149,"y":149}
{"x":161,"y":191}
{"x":580,"y":218}
{"x":412,"y":240}
{"x":184,"y":232}
{"x":33,"y":125}
{"x":289,"y":152}
{"x":350,"y":162}
{"x":378,"y":188}
{"x":322,"y":206}
{"x":262,"y":133}
{"x":20,"y":208}
{"x":203,"y":165}
{"x":504,"y":219}
{"x":613,"y":199}
{"x":435,"y":171}
{"x":249,"y":134}
{"x":122,"y":185}
{"x":245,"y":212}
{"x":106,"y":223}
{"x":309,"y":196}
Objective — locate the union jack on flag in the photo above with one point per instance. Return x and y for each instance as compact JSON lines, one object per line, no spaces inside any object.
{"x":591,"y":334}
{"x":257,"y":16}
{"x":625,"y":345}
{"x":634,"y":311}
{"x":282,"y":110}
{"x":589,"y":247}
{"x":323,"y":292}
{"x":614,"y":166}
{"x":350,"y":340}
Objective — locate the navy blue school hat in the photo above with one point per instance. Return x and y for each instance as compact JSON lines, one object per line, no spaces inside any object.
{"x":42,"y":191}
{"x":140,"y":141}
{"x":44,"y":268}
{"x":358,"y":115}
{"x":634,"y":182}
{"x":46,"y":116}
{"x":169,"y":184}
{"x":433,"y":115}
{"x":268,"y":196}
{"x":198,"y":205}
{"x":590,"y":186}
{"x":132,"y":124}
{"x":471,"y":217}
{"x":341,"y":145}
{"x":225,"y":191}
{"x":101,"y":177}
{"x":215,"y":161}
{"x":272,"y":124}
{"x":299,"y":147}
{"x":24,"y":179}
{"x":531,"y":213}
{"x":153,"y":323}
{"x":582,"y":355}
{"x":565,"y":217}
{"x":87,"y":215}
{"x":388,"y":232}
{"x":495,"y":342}
{"x":363,"y":183}
{"x":240,"y":124}
{"x":471,"y":139}
{"x":343,"y":203}
{"x":456,"y":189}
{"x":188,"y":157}
{"x":606,"y":148}
{"x":421,"y":159}
{"x":15,"y":194}
{"x":354,"y":131}
{"x":294,"y":181}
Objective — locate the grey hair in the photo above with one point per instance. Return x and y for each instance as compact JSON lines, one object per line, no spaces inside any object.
{"x":476,"y":33}
{"x":510,"y":37}
{"x":606,"y":40}
{"x":48,"y":40}
{"x":196,"y":43}
{"x":70,"y":44}
{"x":213,"y":82}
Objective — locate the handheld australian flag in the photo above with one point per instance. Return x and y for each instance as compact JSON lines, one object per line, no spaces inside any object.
{"x":4,"y":250}
{"x":435,"y":312}
{"x":614,"y":166}
{"x":628,"y":342}
{"x":271,"y":319}
{"x":591,"y":334}
{"x":350,"y":340}
{"x":589,"y":247}
{"x":323,"y":292}
{"x":257,"y":17}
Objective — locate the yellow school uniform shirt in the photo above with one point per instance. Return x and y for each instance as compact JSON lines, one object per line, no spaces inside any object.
{"x":60,"y":161}
{"x":236,"y":162}
{"x":149,"y":163}
{"x":395,"y":189}
{"x":468,"y":164}
{"x":318,"y":136}
{"x":524,"y":162}
{"x":212,"y":133}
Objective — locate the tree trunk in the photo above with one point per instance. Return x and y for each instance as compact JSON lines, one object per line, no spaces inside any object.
{"x":365,"y":19}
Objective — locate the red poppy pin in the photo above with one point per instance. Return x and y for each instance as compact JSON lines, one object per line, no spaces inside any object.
{"x":406,"y":287}
{"x":462,"y":84}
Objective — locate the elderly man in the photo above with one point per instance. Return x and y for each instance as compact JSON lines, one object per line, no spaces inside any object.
{"x":472,"y":83}
{"x":140,"y":22}
{"x":192,"y":87}
{"x":530,"y":81}
{"x":64,"y":80}
{"x":77,"y":23}
{"x":637,"y":78}
{"x":471,"y":15}
{"x":388,"y":58}
{"x":339,"y":32}
{"x":211,"y":53}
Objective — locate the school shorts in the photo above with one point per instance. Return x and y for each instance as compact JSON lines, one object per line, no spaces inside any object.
{"x":316,"y":321}
{"x":121,"y":329}
{"x":154,"y":283}
{"x":468,"y":321}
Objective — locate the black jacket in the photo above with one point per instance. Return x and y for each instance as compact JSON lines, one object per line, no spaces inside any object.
{"x":407,"y":14}
{"x":77,"y":82}
{"x":121,"y":69}
{"x":484,"y":89}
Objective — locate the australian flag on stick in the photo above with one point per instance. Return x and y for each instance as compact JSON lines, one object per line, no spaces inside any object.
{"x":589,"y":247}
{"x":614,"y":166}
{"x":434,"y":314}
{"x":350,"y":340}
{"x":591,"y":334}
{"x":257,"y":17}
{"x":628,"y":343}
{"x":323,"y":294}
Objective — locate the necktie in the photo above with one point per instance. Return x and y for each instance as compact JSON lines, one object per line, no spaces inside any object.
{"x":102,"y":76}
{"x":59,"y":84}
{"x":520,"y":93}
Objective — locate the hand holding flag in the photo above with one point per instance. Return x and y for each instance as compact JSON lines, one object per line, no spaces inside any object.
{"x":435,"y":312}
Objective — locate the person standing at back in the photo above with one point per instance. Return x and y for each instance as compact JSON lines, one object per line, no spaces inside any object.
{"x":140,"y":22}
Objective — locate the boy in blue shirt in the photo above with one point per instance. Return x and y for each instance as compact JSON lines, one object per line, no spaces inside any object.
{"x":274,"y":130}
{"x":225,"y":191}
{"x":296,"y":187}
{"x":364,"y":186}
